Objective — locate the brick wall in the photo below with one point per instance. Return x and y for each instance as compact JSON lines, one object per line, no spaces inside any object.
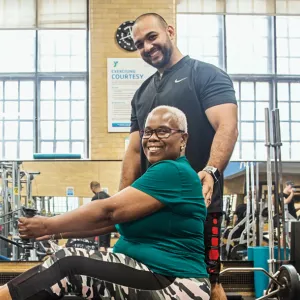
{"x":105,"y":17}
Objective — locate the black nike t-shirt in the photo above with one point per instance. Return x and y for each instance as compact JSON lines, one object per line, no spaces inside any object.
{"x":291,"y":206}
{"x":193,"y":87}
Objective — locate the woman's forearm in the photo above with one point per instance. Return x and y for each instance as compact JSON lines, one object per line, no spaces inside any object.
{"x":85,"y":234}
{"x":86,"y":217}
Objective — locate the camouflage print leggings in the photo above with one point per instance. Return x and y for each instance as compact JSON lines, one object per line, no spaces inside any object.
{"x":100,"y":275}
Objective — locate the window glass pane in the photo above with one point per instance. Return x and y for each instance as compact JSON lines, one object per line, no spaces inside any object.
{"x":1,"y":154}
{"x":62,"y":89}
{"x":247,"y":44}
{"x":57,"y":53}
{"x":17,"y":51}
{"x":199,"y":36}
{"x":26,"y":90}
{"x":294,"y":47}
{"x":296,"y":133}
{"x":247,"y":131}
{"x":47,"y":109}
{"x":295,"y":110}
{"x":295,"y":66}
{"x":295,"y":91}
{"x":62,"y":44}
{"x":284,"y":111}
{"x":26,"y":110}
{"x":260,"y":110}
{"x":78,"y":130}
{"x":262,"y":91}
{"x":26,"y":130}
{"x":247,"y":111}
{"x":1,"y":90}
{"x":283,"y":91}
{"x":11,"y":90}
{"x":283,"y":47}
{"x":11,"y":130}
{"x":247,"y":151}
{"x":62,"y":63}
{"x":62,"y":110}
{"x":1,"y":110}
{"x":260,"y":131}
{"x":283,"y":66}
{"x":11,"y":150}
{"x":47,"y":64}
{"x":11,"y":109}
{"x":47,"y":130}
{"x":285,"y":151}
{"x":247,"y":91}
{"x":1,"y":130}
{"x":285,"y":131}
{"x":62,"y":147}
{"x":77,"y":63}
{"x":295,"y":150}
{"x":47,"y":90}
{"x":26,"y":150}
{"x":288,"y":43}
{"x":236,"y":152}
{"x":62,"y":130}
{"x":78,"y":90}
{"x":78,"y":147}
{"x":261,"y":152}
{"x":78,"y":110}
{"x":46,"y":147}
{"x":281,"y":27}
{"x":292,"y":22}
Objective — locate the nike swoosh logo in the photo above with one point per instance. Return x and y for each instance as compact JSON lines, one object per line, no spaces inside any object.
{"x":178,"y":80}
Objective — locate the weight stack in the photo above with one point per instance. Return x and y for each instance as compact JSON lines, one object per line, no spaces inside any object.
{"x":295,"y":245}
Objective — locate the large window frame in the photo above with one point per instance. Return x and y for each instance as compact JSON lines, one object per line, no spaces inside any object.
{"x":272,"y":77}
{"x":37,"y":77}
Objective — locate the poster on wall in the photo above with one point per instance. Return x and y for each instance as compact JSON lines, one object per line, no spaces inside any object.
{"x":124,"y":77}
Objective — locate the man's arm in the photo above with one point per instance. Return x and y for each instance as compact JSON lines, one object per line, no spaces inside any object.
{"x":289,"y":198}
{"x":223,"y":118}
{"x":131,"y":162}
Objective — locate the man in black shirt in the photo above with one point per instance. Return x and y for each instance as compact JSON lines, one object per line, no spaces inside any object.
{"x":205,"y":94}
{"x":240,"y":212}
{"x":104,"y":240}
{"x":288,"y":194}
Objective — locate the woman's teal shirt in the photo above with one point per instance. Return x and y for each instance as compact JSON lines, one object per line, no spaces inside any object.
{"x":170,"y":241}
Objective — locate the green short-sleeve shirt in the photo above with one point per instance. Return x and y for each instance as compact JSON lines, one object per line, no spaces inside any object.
{"x":170,"y":241}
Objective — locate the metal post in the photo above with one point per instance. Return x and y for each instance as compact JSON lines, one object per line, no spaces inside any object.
{"x":253,"y":199}
{"x":248,"y":205}
{"x":270,"y":203}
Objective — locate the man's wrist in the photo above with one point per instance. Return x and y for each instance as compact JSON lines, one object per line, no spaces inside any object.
{"x":214,"y":172}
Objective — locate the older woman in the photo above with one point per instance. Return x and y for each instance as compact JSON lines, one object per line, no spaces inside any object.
{"x":160,"y":254}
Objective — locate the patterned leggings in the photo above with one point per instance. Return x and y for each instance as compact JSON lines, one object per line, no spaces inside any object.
{"x":100,"y":275}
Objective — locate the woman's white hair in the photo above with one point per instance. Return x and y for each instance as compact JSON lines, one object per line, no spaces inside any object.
{"x":178,"y":115}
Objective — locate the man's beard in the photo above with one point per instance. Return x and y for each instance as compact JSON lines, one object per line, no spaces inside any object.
{"x":166,"y":52}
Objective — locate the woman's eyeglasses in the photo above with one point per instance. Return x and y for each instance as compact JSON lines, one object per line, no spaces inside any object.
{"x":161,"y":133}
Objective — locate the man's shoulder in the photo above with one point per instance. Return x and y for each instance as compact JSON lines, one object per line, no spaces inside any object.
{"x":204,"y":69}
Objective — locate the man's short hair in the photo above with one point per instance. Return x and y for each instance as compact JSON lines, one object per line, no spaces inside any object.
{"x":160,"y":19}
{"x":289,"y":182}
{"x":94,"y":184}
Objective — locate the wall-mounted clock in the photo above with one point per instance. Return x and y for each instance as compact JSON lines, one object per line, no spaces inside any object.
{"x":123,"y":36}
